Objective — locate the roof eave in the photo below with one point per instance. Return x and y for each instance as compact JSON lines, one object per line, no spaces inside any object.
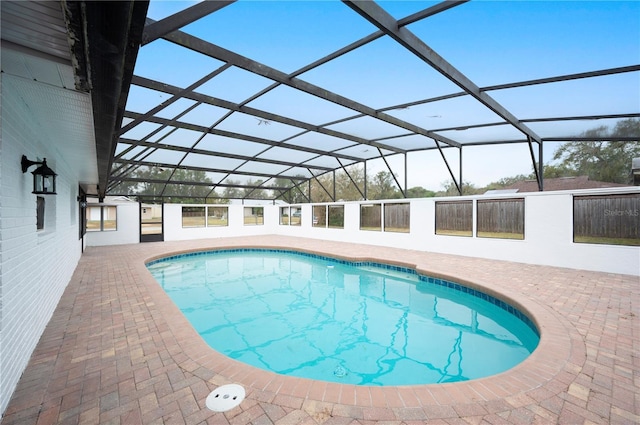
{"x":104,"y":39}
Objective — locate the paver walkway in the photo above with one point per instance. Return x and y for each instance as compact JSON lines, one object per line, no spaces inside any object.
{"x":117,"y":351}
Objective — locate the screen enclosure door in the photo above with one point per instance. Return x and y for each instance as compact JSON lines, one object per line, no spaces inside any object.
{"x":151,"y":225}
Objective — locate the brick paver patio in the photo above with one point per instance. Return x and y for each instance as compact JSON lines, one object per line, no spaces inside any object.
{"x":117,"y":351}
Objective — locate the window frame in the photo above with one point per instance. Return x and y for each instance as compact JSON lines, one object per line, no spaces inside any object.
{"x":101,"y":226}
{"x":461,"y":220}
{"x":497,"y":233}
{"x":196,"y":220}
{"x":371,"y":207}
{"x":608,"y":220}
{"x":40,"y":213}
{"x":257,"y":212}
{"x":388,"y":214}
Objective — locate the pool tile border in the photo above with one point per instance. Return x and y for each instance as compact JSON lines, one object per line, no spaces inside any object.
{"x":550,"y":357}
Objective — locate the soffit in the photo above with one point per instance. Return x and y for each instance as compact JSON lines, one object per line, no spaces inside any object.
{"x":36,"y":61}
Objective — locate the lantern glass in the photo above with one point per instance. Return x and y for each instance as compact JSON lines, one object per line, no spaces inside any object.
{"x":44,"y":184}
{"x":38,"y":183}
{"x":44,"y":180}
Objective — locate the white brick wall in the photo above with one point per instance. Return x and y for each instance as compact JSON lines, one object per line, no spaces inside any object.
{"x":35,"y":266}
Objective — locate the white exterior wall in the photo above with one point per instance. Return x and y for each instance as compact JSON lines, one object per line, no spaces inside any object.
{"x":173,"y":230}
{"x":35,"y":266}
{"x":548,"y":232}
{"x":127,"y":226}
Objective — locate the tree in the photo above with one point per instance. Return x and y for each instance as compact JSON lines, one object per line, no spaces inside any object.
{"x":322,"y":188}
{"x":193,"y":193}
{"x":296,"y":194}
{"x":508,"y":181}
{"x":552,"y":171}
{"x":467,"y":189}
{"x":231,"y":192}
{"x":383,"y":186}
{"x":254,"y":191}
{"x":177,"y":189}
{"x":345,"y":188}
{"x":608,"y":161}
{"x":420,"y":192}
{"x":143,"y":187}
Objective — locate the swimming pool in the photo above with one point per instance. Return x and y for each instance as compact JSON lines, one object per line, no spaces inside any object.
{"x":305,"y":315}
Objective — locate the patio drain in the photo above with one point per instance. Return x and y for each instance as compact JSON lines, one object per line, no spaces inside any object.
{"x":225,"y":397}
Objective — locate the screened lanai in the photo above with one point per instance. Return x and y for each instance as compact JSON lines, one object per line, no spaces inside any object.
{"x":202,"y":102}
{"x":267,"y":99}
{"x":279,"y":100}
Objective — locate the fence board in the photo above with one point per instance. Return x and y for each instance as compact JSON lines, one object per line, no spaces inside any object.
{"x":501,"y":216}
{"x":396,"y":217}
{"x":454,"y":216}
{"x":607,"y":216}
{"x":371,"y":216}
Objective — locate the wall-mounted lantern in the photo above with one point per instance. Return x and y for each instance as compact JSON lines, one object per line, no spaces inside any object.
{"x":44,"y":178}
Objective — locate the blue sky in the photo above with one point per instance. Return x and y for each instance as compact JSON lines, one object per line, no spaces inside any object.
{"x":491,"y":42}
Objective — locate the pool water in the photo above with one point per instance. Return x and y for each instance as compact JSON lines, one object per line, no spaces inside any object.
{"x":365,"y":324}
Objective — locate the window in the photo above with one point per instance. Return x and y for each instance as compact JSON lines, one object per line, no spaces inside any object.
{"x":109,"y":218}
{"x":319,"y":216}
{"x":371,"y":217}
{"x":200,"y":216}
{"x":253,"y":216}
{"x":291,"y":216}
{"x":336,"y":216}
{"x":193,"y":216}
{"x":397,"y":218}
{"x":101,"y":218}
{"x":284,"y":215}
{"x":607,"y":219}
{"x":296,"y":216}
{"x":454,"y":218}
{"x":501,"y":218}
{"x":40,"y":213}
{"x":217,"y":216}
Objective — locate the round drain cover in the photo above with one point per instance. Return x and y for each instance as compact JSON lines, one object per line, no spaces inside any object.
{"x":225,"y":397}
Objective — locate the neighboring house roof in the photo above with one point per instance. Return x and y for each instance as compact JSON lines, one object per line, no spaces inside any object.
{"x":111,"y":200}
{"x":561,"y":183}
{"x":500,"y":191}
{"x":118,"y":199}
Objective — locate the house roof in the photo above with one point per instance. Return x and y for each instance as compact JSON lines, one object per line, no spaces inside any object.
{"x":560,"y":183}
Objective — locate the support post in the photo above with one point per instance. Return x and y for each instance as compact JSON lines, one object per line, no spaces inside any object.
{"x":460,"y":175}
{"x":541,"y":166}
{"x":365,"y":181}
{"x":406,"y":173}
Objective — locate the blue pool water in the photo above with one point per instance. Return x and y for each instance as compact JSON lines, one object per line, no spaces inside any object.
{"x":359,"y":323}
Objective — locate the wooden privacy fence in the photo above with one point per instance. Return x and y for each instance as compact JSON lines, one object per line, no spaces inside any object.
{"x":501,"y":216}
{"x":193,"y":211}
{"x":609,"y":216}
{"x":396,"y":217}
{"x":370,"y":216}
{"x":455,"y":216}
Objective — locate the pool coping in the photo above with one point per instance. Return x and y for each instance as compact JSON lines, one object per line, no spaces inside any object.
{"x":117,"y":350}
{"x":561,"y":352}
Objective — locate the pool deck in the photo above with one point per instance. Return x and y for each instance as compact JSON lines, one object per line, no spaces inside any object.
{"x":118,"y":351}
